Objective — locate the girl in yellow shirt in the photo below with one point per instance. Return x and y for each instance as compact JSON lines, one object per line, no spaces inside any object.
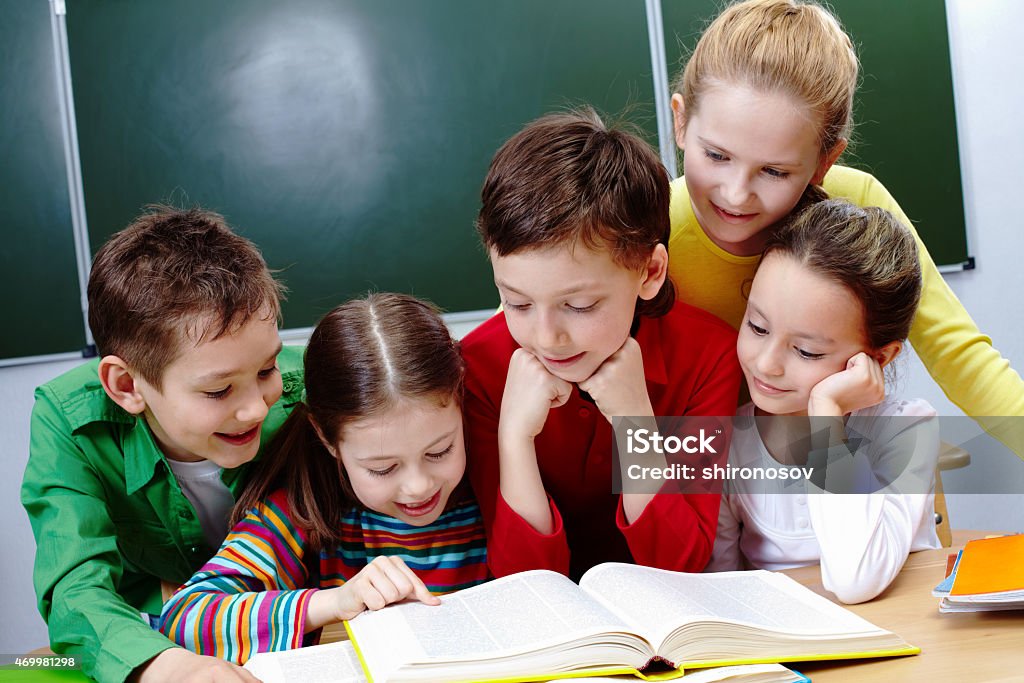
{"x":762,"y":111}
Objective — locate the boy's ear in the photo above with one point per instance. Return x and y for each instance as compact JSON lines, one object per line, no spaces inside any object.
{"x":118,"y":381}
{"x":826,"y":161}
{"x":884,"y":355}
{"x":655,"y":273}
{"x":320,"y":435}
{"x":678,"y":119}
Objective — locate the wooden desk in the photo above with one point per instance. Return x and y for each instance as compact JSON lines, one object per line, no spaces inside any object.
{"x":955,"y":648}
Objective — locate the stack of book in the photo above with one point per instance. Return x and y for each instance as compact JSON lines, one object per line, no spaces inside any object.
{"x":987,"y":575}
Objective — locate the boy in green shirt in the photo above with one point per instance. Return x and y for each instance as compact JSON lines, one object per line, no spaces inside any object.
{"x":136,"y":458}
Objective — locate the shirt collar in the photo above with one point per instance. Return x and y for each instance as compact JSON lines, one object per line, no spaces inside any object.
{"x":141,"y":455}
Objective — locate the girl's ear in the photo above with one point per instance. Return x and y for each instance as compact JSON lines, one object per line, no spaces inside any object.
{"x":655,"y":273}
{"x":678,"y":119}
{"x":320,"y":435}
{"x":826,"y":161}
{"x":119,"y":382}
{"x":884,"y":355}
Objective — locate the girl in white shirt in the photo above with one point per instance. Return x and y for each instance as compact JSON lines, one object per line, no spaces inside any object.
{"x":830,"y":306}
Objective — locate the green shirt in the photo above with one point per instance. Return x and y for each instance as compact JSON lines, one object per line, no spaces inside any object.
{"x":110,"y":520}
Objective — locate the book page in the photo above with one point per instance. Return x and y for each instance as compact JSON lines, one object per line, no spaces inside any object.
{"x":656,"y":602}
{"x":334,"y":663}
{"x":518,"y":613}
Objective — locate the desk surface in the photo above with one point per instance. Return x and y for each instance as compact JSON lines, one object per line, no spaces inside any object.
{"x":954,"y":647}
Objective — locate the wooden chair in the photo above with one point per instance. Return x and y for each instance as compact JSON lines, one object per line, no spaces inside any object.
{"x":950,"y":458}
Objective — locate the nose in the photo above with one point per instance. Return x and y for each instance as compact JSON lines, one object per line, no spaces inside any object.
{"x":769,"y":361}
{"x":549,"y":334}
{"x":254,"y":407}
{"x":418,"y":484}
{"x":736,"y":189}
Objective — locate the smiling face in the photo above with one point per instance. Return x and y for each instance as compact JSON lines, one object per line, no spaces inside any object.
{"x":799,"y":328}
{"x":571,"y":308}
{"x":406,"y":462}
{"x":215,"y":396}
{"x":748,"y":158}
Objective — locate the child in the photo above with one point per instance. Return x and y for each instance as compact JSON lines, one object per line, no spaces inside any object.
{"x":135,"y":458}
{"x":829,"y":307}
{"x":575,"y":220}
{"x":762,"y":111}
{"x":359,"y":502}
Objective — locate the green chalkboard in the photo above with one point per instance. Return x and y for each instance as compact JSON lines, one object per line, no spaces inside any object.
{"x":347,"y":138}
{"x":905,"y":123}
{"x":42,"y":308}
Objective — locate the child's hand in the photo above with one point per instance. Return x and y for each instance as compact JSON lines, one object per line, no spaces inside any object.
{"x":385,"y":580}
{"x":177,"y":665}
{"x":530,"y":394}
{"x":618,"y":386}
{"x":860,"y":385}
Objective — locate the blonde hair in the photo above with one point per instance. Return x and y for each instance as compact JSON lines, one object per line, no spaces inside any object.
{"x":790,"y":47}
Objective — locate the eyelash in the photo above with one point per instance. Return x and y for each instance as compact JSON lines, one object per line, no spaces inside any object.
{"x":806,"y":355}
{"x":574,"y":309}
{"x":432,"y":456}
{"x":215,"y":395}
{"x":772,"y":173}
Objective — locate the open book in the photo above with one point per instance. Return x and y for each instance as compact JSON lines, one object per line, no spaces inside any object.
{"x":337,"y":663}
{"x":621,"y":619}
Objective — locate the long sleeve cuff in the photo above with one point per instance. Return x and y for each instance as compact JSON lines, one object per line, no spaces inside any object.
{"x":675,"y":531}
{"x":515,"y":546}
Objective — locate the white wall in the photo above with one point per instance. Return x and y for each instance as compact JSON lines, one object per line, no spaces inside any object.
{"x":22,"y":628}
{"x":985,"y":45}
{"x":987,"y":60}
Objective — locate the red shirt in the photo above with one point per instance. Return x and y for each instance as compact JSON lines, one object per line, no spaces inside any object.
{"x":691,"y":369}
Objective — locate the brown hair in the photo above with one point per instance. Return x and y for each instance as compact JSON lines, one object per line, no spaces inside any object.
{"x":793,"y":47}
{"x":868,"y":251}
{"x":175,"y":275}
{"x":362,"y":358}
{"x":567,"y":179}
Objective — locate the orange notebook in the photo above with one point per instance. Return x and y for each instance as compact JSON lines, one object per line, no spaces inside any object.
{"x":991,"y":565}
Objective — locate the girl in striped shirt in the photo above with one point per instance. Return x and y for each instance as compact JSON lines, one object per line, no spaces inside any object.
{"x":360,"y":501}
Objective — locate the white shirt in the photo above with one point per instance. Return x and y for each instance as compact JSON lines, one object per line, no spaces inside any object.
{"x":212,"y":499}
{"x":860,"y":540}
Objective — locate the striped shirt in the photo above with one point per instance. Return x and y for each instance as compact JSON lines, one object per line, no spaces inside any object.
{"x":252,"y":595}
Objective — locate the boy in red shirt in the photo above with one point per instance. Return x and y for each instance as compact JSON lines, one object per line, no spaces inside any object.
{"x":575,"y":220}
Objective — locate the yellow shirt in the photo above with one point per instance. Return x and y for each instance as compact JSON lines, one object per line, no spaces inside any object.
{"x":959,"y":357}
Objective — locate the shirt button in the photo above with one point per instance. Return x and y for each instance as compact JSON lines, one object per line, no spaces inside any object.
{"x":802,"y":523}
{"x":288,"y":385}
{"x":584,"y":412}
{"x":184,"y":514}
{"x":801,"y":500}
